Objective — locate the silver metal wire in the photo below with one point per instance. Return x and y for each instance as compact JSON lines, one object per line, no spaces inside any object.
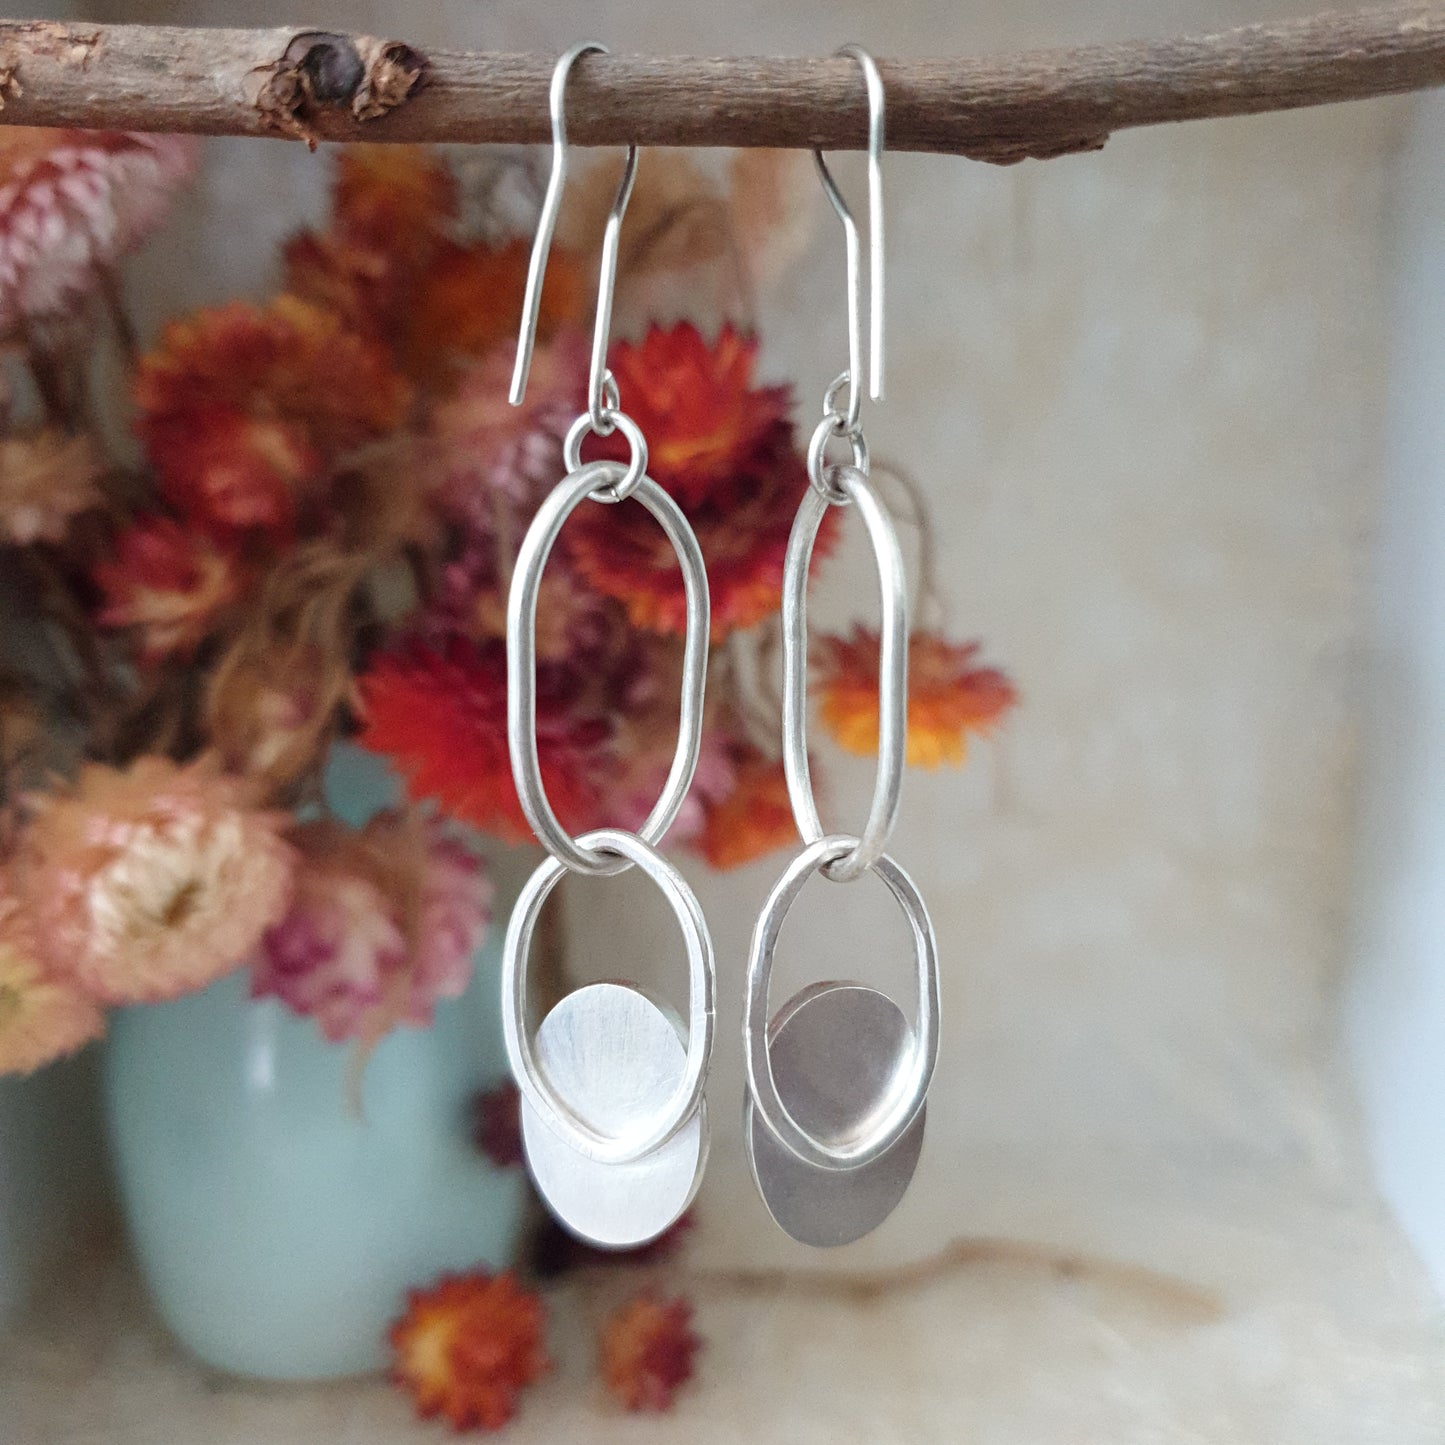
{"x":910,"y":1073}
{"x":820,"y":473}
{"x":601,"y":403}
{"x":522,"y":662}
{"x":876,"y":270}
{"x":892,"y":672}
{"x":652,"y":1131}
{"x":636,"y":465}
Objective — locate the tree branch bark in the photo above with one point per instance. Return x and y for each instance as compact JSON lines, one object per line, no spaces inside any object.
{"x":320,"y":86}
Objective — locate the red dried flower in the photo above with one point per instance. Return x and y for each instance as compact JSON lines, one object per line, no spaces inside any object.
{"x":704,"y":420}
{"x":949,"y":697}
{"x":497,"y":1125}
{"x":441,"y":716}
{"x":733,"y":470}
{"x":646,"y":1352}
{"x":754,"y":819}
{"x":171,"y":584}
{"x":466,"y":1348}
{"x":242,"y":409}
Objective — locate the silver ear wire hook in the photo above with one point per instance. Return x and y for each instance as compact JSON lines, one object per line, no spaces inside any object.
{"x":602,"y":390}
{"x":876,"y":298}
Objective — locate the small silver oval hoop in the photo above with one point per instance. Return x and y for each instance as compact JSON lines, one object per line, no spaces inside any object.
{"x":909,"y":1090}
{"x":597,"y":397}
{"x":522,"y":663}
{"x":821,"y":473}
{"x":701,"y":1008}
{"x":892,"y":674}
{"x":876,"y":271}
{"x":636,"y":467}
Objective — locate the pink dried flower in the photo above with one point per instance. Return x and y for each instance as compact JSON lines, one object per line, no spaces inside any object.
{"x":150,"y":881}
{"x":72,"y":202}
{"x":386,"y":921}
{"x":46,"y":479}
{"x":335,"y":951}
{"x":42,"y":1018}
{"x":484,"y":446}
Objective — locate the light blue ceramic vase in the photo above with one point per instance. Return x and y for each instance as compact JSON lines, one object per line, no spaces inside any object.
{"x":277,"y":1228}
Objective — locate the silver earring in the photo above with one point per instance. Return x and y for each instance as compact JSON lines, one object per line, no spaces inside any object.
{"x":613,"y":1119}
{"x":838,"y":1080}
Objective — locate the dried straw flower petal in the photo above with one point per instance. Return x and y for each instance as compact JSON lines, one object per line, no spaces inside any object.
{"x":385,"y":922}
{"x":243,"y":409}
{"x":72,"y":202}
{"x":483,"y":448}
{"x":467,"y":1347}
{"x":42,"y":1017}
{"x":150,"y":881}
{"x":440,"y":715}
{"x":646,"y":1352}
{"x":466,"y":302}
{"x":755,"y":818}
{"x":705,"y":421}
{"x":171,"y":584}
{"x":949,"y":696}
{"x":46,"y":479}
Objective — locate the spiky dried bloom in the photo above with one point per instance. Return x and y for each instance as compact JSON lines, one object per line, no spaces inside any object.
{"x":467,"y":1347}
{"x":950,"y":697}
{"x":149,"y":881}
{"x":72,"y":202}
{"x":646,"y":1352}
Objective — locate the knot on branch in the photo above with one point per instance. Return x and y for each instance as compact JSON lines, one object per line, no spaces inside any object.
{"x":321,"y":73}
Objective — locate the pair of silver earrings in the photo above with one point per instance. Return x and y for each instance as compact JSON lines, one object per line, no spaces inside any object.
{"x":614,"y":1122}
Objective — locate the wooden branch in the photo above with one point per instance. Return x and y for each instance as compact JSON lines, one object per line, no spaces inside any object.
{"x":322,"y":86}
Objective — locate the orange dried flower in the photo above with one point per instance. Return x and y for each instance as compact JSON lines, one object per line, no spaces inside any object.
{"x":242,"y":409}
{"x":704,"y":420}
{"x":949,"y":697}
{"x":171,"y":584}
{"x":468,"y":298}
{"x":466,"y":1348}
{"x":752,"y":820}
{"x":442,"y":719}
{"x":731,"y":465}
{"x":646,"y":1352}
{"x":390,"y":196}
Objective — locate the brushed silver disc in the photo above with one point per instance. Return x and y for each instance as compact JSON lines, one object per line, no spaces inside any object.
{"x":837,"y":1050}
{"x":615,"y":1058}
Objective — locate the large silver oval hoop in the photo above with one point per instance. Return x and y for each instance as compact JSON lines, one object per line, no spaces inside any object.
{"x":909,"y":1089}
{"x":553,"y":1110}
{"x":892,"y":671}
{"x":522,"y":663}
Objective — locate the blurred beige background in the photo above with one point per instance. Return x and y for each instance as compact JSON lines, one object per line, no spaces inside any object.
{"x":1143,"y":391}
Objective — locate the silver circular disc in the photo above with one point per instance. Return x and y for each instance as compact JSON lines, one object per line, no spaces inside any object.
{"x":836,"y":1051}
{"x":615,"y":1058}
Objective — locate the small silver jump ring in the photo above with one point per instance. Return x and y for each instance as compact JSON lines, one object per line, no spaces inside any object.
{"x":824,"y":475}
{"x":892,"y":673}
{"x":636,"y":468}
{"x":847,"y":416}
{"x":604,"y":404}
{"x":532,"y":556}
{"x":532,"y":1080}
{"x":909,"y":1090}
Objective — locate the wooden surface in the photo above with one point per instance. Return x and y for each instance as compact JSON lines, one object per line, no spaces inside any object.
{"x":320,"y":86}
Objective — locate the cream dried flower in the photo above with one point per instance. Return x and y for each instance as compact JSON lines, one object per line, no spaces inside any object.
{"x":151,"y":881}
{"x":46,"y":479}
